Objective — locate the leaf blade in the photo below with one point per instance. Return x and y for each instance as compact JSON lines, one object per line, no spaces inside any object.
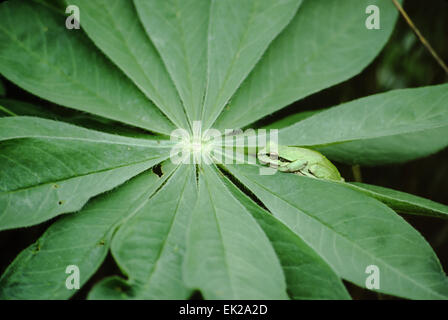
{"x":236,"y":41}
{"x":351,"y":231}
{"x":326,"y":43}
{"x":307,"y":275}
{"x":178,"y":30}
{"x":226,"y":248}
{"x":50,"y":167}
{"x":126,"y":43}
{"x":403,"y":202}
{"x":387,"y":114}
{"x":45,"y":58}
{"x":82,"y":239}
{"x":153,"y":263}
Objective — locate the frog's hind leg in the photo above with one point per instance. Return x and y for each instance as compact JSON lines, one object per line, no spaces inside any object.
{"x":296,"y":166}
{"x":308,"y":173}
{"x":275,"y":164}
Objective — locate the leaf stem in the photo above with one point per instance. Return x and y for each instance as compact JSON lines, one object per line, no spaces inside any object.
{"x":356,"y":169}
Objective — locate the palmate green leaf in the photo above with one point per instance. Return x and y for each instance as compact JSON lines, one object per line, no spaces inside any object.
{"x":39,"y":54}
{"x":115,"y":29}
{"x":150,"y":247}
{"x":178,"y":29}
{"x":380,"y":128}
{"x":307,"y":275}
{"x":320,"y":231}
{"x":239,"y":32}
{"x":228,"y":255}
{"x":351,"y":231}
{"x":326,"y":43}
{"x":403,"y":202}
{"x":81,"y":239}
{"x":50,"y":167}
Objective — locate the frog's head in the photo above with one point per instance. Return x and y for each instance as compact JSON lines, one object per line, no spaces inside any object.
{"x":274,"y":155}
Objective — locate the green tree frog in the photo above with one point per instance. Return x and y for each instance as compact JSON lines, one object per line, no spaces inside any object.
{"x":301,"y":161}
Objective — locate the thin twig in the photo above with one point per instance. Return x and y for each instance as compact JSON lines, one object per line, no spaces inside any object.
{"x":7,"y":111}
{"x":420,"y":36}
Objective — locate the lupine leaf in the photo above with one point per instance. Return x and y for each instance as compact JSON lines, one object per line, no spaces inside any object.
{"x":228,"y":255}
{"x":50,"y":167}
{"x":351,"y":231}
{"x":403,"y":202}
{"x":39,"y":54}
{"x":383,"y":115}
{"x":113,"y":27}
{"x":178,"y":29}
{"x":307,"y":274}
{"x":326,"y":43}
{"x":239,"y":33}
{"x":81,"y":239}
{"x":150,"y":247}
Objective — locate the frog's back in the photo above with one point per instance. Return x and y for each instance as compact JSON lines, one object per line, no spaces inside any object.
{"x":323,"y":167}
{"x":314,"y":156}
{"x":325,"y":172}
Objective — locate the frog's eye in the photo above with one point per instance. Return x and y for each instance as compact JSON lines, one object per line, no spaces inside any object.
{"x":273,"y":155}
